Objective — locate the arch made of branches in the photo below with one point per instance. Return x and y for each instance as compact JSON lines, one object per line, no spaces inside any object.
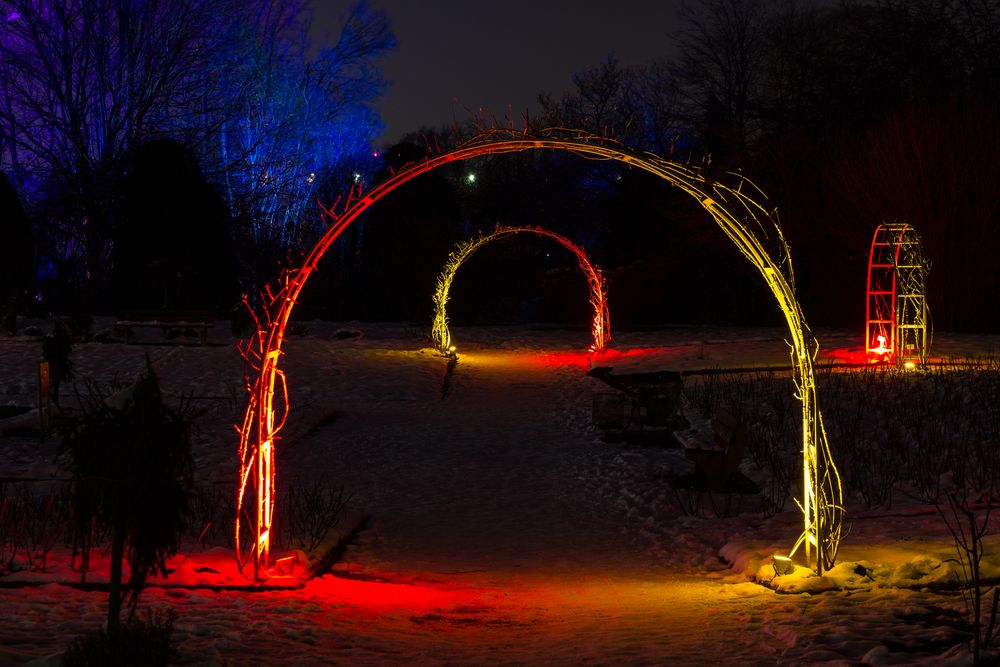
{"x":600,"y":326}
{"x":733,"y":202}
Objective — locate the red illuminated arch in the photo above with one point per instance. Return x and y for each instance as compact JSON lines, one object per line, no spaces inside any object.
{"x":733,"y":208}
{"x":600,"y":326}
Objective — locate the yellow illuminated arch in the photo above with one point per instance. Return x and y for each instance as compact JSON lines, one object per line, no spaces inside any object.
{"x":600,"y":326}
{"x":734,"y":206}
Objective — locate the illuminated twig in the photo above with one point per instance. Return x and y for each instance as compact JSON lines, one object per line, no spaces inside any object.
{"x":737,"y":212}
{"x":600,"y":326}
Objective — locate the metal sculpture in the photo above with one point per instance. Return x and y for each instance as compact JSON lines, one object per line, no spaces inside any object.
{"x":897,"y":317}
{"x":735,"y":208}
{"x":600,"y":327}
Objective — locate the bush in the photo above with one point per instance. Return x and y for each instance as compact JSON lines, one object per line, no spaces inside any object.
{"x":141,"y":642}
{"x":307,"y":512}
{"x":888,"y":429}
{"x":130,"y":457}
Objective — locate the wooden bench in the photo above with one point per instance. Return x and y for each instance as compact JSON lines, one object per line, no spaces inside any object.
{"x":167,"y":320}
{"x":714,"y":446}
{"x":652,"y":399}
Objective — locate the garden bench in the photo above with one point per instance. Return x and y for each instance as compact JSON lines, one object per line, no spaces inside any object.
{"x":715,"y":447}
{"x":167,"y":320}
{"x":651,"y":399}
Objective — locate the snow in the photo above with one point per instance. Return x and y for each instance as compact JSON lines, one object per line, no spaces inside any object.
{"x":503,"y":528}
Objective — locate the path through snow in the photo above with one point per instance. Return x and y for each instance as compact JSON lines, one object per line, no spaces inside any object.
{"x":504,"y":530}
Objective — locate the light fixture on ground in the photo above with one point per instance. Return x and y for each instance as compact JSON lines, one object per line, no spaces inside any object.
{"x":782,"y":565}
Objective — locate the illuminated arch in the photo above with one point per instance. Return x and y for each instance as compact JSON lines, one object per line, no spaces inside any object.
{"x":897,"y":316}
{"x":734,"y":209}
{"x":600,"y":326}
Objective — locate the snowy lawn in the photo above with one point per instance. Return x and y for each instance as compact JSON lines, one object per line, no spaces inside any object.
{"x":503,"y":528}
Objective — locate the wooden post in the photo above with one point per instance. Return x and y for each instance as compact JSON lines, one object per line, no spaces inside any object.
{"x":44,"y":402}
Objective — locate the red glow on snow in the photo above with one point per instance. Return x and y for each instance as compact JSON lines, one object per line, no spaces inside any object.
{"x":846,"y":356}
{"x":642,"y":352}
{"x":557,"y":359}
{"x":378,"y":596}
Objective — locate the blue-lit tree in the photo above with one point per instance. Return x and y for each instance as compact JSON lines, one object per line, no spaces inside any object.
{"x":301,"y":125}
{"x":83,"y":82}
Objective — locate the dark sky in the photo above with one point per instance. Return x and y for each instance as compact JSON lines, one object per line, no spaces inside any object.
{"x":455,"y":55}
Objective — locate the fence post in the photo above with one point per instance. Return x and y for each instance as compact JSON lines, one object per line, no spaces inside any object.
{"x":44,"y":402}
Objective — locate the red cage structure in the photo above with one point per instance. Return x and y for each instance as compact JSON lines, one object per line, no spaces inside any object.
{"x":897,"y":317}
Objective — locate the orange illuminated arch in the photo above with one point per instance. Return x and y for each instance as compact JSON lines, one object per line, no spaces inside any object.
{"x":600,"y":326}
{"x":734,"y":208}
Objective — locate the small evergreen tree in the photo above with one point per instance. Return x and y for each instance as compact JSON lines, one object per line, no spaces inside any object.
{"x":172,"y":243}
{"x":131,"y":464}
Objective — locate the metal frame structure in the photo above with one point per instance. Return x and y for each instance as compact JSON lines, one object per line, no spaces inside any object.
{"x":600,"y":326}
{"x":897,"y":317}
{"x":732,"y":201}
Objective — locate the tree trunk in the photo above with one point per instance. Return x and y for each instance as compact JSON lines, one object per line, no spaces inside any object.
{"x":115,"y":582}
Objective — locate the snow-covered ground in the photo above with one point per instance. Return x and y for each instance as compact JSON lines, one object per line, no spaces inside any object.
{"x":504,"y":529}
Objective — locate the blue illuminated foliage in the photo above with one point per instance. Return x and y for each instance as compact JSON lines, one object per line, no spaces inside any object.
{"x":301,"y":125}
{"x":84,"y":82}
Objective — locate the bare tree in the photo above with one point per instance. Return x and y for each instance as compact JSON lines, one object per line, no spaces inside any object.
{"x":636,"y":105}
{"x":84,"y":82}
{"x":720,"y":70}
{"x":82,"y":79}
{"x":978,"y":22}
{"x":297,"y":119}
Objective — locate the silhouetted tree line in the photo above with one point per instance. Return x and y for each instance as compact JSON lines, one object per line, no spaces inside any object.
{"x":846,"y":115}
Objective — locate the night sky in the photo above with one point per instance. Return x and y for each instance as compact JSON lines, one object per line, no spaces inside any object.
{"x":455,"y":55}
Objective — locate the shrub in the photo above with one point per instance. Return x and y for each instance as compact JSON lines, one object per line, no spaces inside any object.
{"x":141,"y":642}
